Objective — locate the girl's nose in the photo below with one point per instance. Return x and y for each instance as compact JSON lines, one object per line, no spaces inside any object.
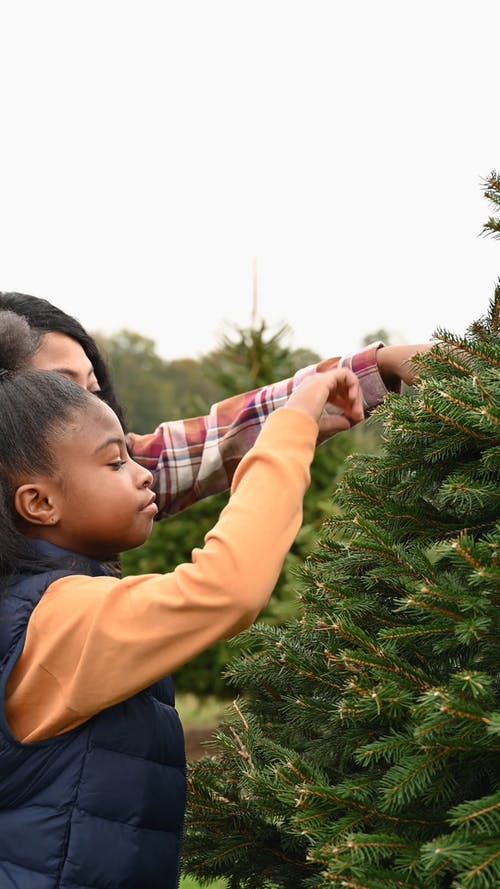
{"x":148,"y":478}
{"x":144,"y":476}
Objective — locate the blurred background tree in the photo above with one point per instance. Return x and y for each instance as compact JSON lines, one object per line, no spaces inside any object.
{"x":152,"y":389}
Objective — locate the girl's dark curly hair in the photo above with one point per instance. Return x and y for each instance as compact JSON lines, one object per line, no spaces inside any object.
{"x":34,"y":404}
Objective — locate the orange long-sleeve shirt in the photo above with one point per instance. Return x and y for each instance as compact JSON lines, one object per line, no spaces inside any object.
{"x":94,"y":641}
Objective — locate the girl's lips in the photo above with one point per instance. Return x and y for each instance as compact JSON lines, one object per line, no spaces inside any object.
{"x":151,"y":507}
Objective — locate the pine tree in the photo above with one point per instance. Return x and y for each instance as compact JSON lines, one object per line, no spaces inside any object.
{"x":364,"y":748}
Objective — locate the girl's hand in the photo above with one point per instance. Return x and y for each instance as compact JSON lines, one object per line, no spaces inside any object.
{"x":333,"y":396}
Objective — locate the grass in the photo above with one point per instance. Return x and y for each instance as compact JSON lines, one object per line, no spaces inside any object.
{"x":200,"y":712}
{"x":191,"y":883}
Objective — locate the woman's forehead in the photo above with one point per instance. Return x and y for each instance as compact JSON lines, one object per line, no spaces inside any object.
{"x":57,"y":351}
{"x":61,"y":353}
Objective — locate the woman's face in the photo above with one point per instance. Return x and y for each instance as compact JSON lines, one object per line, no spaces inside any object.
{"x":61,"y":353}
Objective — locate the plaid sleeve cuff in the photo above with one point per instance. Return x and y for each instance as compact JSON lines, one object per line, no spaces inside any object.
{"x":364,"y":365}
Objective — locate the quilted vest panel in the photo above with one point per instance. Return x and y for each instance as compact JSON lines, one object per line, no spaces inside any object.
{"x":99,"y":807}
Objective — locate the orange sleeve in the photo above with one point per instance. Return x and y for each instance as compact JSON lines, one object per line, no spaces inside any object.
{"x":94,"y":641}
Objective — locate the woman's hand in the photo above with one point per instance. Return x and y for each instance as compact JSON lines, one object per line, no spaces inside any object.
{"x":395,"y":365}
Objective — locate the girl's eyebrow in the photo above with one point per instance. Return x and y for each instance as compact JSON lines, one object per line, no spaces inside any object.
{"x":112,"y":440}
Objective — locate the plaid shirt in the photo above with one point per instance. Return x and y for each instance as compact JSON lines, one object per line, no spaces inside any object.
{"x":192,"y":459}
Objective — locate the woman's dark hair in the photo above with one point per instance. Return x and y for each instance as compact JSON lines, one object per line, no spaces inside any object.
{"x":34,"y":404}
{"x":43,"y":316}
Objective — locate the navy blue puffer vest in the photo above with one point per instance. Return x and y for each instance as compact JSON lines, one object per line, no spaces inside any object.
{"x":102,"y":806}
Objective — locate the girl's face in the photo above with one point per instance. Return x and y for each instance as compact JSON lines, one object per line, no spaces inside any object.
{"x":61,"y":353}
{"x":100,"y":500}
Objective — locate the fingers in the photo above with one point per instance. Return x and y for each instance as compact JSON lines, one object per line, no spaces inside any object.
{"x":345,"y":393}
{"x":338,"y":388}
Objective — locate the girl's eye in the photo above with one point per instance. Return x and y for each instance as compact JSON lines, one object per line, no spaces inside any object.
{"x":118,"y":464}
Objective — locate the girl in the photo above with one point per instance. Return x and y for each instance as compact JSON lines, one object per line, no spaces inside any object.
{"x":194,"y":458}
{"x":92,"y":768}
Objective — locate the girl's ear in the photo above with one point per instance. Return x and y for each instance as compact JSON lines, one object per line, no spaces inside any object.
{"x":35,"y":504}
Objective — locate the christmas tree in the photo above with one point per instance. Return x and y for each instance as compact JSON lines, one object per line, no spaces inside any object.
{"x":363,"y":750}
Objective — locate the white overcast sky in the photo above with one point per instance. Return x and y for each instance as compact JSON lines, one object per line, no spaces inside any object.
{"x":153,"y":154}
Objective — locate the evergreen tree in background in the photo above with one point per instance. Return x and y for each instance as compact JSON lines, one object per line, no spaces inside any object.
{"x":364,"y":749}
